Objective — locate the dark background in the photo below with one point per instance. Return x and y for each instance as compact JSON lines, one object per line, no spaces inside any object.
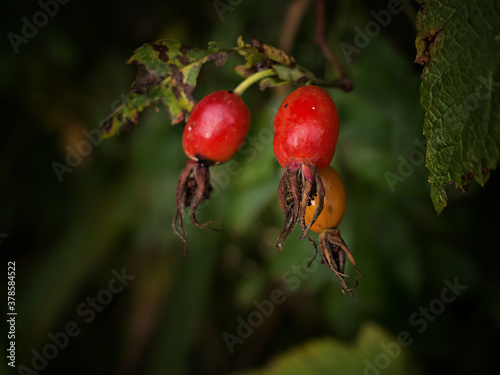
{"x":113,"y":212}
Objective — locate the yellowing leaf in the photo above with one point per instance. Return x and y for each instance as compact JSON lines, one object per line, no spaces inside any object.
{"x":168,"y":72}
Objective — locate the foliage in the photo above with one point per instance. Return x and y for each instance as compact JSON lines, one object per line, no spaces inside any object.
{"x":114,"y":206}
{"x":374,"y":349}
{"x":458,"y":44}
{"x":168,"y":73}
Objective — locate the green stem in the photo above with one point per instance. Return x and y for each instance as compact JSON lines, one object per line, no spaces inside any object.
{"x":249,"y":81}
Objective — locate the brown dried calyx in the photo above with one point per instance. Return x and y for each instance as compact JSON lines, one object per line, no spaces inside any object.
{"x":334,"y":251}
{"x":193,"y":188}
{"x":298,"y":186}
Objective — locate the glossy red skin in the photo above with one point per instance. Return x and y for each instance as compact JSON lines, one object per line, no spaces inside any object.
{"x":216,"y":128}
{"x":306,"y":127}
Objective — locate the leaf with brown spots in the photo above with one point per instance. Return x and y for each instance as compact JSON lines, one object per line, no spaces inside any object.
{"x":458,"y":44}
{"x":168,"y":73}
{"x":260,"y":56}
{"x":257,"y":52}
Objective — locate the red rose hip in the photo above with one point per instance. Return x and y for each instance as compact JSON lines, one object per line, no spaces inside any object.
{"x":216,"y":128}
{"x":306,"y":127}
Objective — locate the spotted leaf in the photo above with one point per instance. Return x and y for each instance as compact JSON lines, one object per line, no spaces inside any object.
{"x":168,"y":72}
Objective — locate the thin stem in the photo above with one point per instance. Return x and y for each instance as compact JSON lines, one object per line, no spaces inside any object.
{"x":293,"y":17}
{"x":249,"y":81}
{"x":320,"y":40}
{"x":410,"y":13}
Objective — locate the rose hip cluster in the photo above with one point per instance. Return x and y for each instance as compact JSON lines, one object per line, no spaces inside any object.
{"x":306,"y":129}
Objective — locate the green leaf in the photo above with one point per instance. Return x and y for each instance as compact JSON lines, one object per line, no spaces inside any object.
{"x":260,"y":56}
{"x":458,"y":44}
{"x":168,"y":72}
{"x":375,"y":352}
{"x":258,"y":52}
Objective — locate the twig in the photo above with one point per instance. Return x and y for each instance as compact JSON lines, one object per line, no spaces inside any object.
{"x":320,"y":40}
{"x":293,"y":16}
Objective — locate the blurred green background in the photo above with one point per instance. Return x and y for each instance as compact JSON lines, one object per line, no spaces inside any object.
{"x":111,"y":215}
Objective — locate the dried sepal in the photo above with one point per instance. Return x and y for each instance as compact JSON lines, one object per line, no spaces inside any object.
{"x":193,"y":188}
{"x":298,"y":186}
{"x":334,"y":252}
